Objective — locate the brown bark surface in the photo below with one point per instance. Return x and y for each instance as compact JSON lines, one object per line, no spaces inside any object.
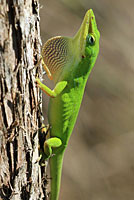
{"x":20,"y":175}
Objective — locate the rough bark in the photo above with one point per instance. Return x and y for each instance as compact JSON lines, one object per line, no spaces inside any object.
{"x":20,"y":174}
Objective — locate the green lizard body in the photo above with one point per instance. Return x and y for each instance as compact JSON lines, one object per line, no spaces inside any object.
{"x":68,"y":61}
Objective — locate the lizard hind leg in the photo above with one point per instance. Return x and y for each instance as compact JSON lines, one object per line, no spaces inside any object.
{"x":49,"y":144}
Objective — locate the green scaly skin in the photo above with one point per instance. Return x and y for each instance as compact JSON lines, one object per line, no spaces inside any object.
{"x":68,"y":61}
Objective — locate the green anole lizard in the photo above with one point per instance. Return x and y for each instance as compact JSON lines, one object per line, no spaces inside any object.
{"x":68,"y":62}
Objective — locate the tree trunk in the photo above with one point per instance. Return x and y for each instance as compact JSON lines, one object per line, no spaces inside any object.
{"x":20,"y":112}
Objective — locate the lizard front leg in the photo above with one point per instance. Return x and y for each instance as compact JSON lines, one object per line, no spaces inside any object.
{"x":52,"y":93}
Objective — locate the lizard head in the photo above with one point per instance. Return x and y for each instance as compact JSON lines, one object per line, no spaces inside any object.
{"x":87,"y":38}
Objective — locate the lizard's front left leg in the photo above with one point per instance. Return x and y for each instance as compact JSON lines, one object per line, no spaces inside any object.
{"x":52,"y":93}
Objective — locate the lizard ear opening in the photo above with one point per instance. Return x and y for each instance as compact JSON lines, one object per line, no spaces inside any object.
{"x":54,"y":54}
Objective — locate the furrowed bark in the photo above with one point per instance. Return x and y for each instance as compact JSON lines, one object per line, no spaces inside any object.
{"x":20,"y":111}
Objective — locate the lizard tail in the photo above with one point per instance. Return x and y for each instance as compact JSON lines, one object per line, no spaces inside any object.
{"x":55,"y":171}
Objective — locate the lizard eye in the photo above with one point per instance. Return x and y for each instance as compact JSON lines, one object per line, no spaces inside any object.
{"x":90,"y":40}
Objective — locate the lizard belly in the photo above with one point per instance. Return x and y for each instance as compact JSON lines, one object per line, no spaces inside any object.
{"x":63,"y":111}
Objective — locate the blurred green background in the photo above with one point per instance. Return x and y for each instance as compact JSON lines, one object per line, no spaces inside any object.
{"x":99,"y":161}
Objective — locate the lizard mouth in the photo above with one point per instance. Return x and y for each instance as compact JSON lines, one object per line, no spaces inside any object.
{"x":89,"y":23}
{"x":88,"y":27}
